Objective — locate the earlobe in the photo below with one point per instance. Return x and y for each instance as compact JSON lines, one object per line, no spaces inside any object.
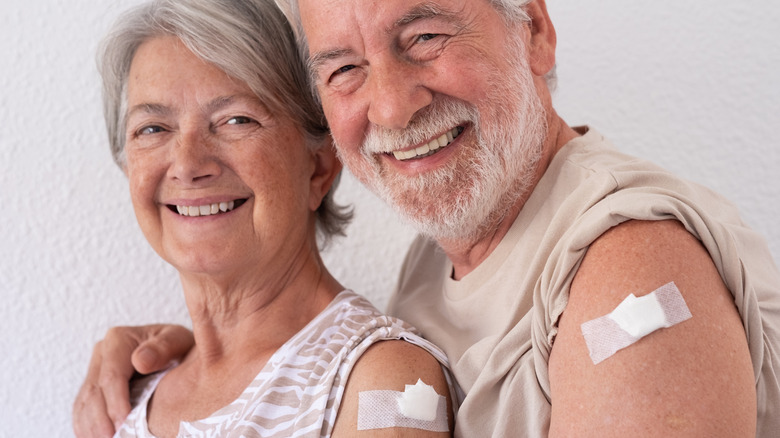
{"x":326,"y":168}
{"x":543,"y":39}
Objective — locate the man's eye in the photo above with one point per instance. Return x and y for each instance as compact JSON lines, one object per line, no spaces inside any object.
{"x":341,"y":75}
{"x":343,"y":69}
{"x":427,"y":37}
{"x":239,"y":120}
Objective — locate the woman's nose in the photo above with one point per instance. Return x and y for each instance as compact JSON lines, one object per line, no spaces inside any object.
{"x":194,"y":158}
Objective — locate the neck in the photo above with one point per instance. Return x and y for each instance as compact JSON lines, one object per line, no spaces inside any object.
{"x":466,"y":255}
{"x":250,"y":317}
{"x":238,"y":326}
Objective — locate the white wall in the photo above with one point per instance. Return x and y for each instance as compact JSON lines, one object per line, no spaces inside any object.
{"x":691,"y":85}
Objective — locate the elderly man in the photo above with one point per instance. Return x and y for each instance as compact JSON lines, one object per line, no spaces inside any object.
{"x":576,"y":291}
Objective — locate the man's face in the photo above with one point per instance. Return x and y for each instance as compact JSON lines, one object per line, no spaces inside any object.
{"x":431,"y":105}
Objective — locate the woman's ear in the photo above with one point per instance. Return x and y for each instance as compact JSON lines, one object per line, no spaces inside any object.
{"x":326,"y":168}
{"x":543,"y":38}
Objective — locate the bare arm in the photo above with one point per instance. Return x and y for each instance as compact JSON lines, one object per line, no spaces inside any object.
{"x":390,"y":365}
{"x":692,"y":379}
{"x":103,"y":400}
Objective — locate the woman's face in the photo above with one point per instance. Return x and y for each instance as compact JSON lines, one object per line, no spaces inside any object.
{"x":219,"y":184}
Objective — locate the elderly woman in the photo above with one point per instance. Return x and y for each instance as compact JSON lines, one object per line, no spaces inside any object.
{"x":231,"y":173}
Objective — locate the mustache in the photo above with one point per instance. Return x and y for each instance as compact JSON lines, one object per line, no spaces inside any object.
{"x":441,"y":115}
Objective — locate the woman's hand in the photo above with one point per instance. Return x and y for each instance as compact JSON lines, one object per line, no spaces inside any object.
{"x":103,"y":401}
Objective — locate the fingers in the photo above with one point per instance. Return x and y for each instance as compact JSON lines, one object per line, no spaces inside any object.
{"x":116,"y":370}
{"x":163,"y":345}
{"x":103,"y":401}
{"x":90,"y":418}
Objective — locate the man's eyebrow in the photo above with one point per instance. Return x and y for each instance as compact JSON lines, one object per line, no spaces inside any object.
{"x":317,"y":59}
{"x":421,"y":12}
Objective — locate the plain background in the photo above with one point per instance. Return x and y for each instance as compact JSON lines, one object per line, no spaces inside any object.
{"x":690,"y":85}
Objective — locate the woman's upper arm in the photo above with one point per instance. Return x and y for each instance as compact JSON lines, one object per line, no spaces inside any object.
{"x":390,"y":365}
{"x":693,"y":378}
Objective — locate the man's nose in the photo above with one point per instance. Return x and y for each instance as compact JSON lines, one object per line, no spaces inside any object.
{"x":193,"y":158}
{"x":396,"y":94}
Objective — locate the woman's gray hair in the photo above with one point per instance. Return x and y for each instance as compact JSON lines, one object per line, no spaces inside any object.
{"x":250,"y":40}
{"x":513,"y":11}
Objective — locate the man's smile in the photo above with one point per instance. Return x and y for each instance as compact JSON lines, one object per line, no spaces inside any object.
{"x":431,"y":147}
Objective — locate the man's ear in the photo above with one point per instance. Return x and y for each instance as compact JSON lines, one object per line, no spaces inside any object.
{"x":326,"y":168}
{"x":543,"y":39}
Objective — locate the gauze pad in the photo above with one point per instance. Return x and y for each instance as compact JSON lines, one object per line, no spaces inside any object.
{"x":634,"y":319}
{"x":418,"y":407}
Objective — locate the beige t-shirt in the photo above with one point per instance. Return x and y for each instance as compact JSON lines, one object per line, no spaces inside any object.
{"x":497,"y":324}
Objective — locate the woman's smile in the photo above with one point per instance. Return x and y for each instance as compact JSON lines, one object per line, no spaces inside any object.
{"x":217,"y":180}
{"x":206,"y":209}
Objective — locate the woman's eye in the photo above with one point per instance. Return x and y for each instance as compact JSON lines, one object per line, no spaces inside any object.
{"x":147,"y":130}
{"x":239,"y":120}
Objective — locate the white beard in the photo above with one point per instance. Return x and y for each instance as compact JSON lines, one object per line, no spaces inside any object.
{"x":472,"y":193}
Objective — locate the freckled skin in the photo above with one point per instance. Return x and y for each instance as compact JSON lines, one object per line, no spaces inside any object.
{"x":199,"y":157}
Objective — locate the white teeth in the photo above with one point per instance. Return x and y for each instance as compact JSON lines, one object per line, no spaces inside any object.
{"x":433,"y":145}
{"x":205,"y":210}
{"x":422,"y":150}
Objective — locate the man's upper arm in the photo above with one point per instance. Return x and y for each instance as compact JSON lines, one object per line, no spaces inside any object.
{"x":693,"y":378}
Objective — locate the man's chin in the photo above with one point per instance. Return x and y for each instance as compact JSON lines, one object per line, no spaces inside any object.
{"x":440,"y":224}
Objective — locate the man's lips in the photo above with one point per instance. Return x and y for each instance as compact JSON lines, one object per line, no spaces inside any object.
{"x":431,"y":147}
{"x":206,"y":209}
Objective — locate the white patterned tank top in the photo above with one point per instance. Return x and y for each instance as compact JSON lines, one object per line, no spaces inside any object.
{"x":299,"y":390}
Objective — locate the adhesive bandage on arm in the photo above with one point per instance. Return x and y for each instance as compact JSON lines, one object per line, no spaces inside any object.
{"x":418,"y":407}
{"x":634,"y":319}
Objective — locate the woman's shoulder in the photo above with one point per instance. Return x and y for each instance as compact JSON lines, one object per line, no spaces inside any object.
{"x":383,"y":353}
{"x":351,"y":323}
{"x":386,"y":376}
{"x":352,"y":315}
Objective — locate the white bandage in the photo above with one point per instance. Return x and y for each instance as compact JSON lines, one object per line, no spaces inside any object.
{"x":633,"y":319}
{"x":418,"y":407}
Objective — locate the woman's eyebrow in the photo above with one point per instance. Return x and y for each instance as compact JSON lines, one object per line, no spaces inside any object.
{"x":149,"y":108}
{"x":211,"y":106}
{"x":220,"y":102}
